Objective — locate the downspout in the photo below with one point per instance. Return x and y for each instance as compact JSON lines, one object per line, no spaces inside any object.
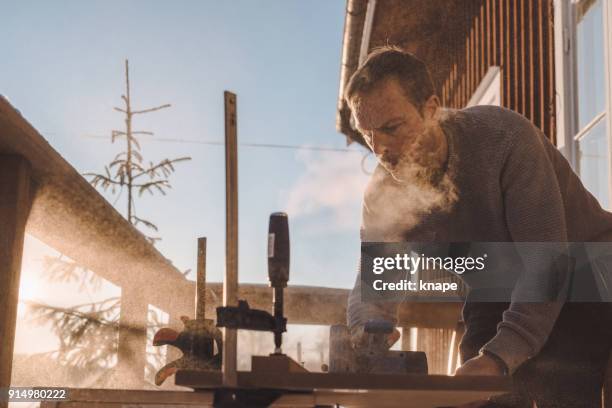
{"x":351,"y":48}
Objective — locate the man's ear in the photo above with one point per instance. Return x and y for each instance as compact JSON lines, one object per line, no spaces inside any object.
{"x":430,"y":108}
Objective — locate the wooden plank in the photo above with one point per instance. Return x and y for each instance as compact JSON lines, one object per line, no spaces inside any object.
{"x":489,"y":34}
{"x":132,"y":343}
{"x":541,"y":78}
{"x":201,"y":280}
{"x":453,"y":352}
{"x":202,"y":380}
{"x":532,"y":60}
{"x":406,"y":339}
{"x":465,"y":77}
{"x":230,"y":283}
{"x":390,"y":399}
{"x":537,"y":100}
{"x":507,"y":60}
{"x":474,"y":59}
{"x":443,"y":93}
{"x":514,"y":57}
{"x":15,"y":201}
{"x":483,"y":62}
{"x":607,"y":387}
{"x":474,"y":47}
{"x":455,"y":89}
{"x":275,"y":363}
{"x":550,"y":106}
{"x":130,"y":396}
{"x":496,"y":49}
{"x":523,"y":62}
{"x":451,"y":87}
{"x":65,"y":204}
{"x":98,"y":398}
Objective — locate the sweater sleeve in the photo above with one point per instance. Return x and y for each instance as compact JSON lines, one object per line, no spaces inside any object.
{"x":359,"y":311}
{"x":534,"y":213}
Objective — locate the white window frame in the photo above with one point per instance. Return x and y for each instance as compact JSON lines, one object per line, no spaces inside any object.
{"x":568,"y":133}
{"x":488,"y":91}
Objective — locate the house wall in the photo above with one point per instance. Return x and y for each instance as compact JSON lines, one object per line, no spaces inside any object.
{"x":517,"y":36}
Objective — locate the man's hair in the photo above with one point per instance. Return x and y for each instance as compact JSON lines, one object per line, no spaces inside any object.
{"x":391,"y":61}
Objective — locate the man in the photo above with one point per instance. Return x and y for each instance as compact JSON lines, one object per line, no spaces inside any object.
{"x":482,"y":174}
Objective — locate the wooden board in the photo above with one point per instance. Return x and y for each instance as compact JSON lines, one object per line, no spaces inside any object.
{"x":201,"y":380}
{"x":105,"y":398}
{"x":15,"y":200}
{"x":383,"y":399}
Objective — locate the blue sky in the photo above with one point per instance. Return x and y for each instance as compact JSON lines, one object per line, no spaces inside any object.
{"x":62,"y":67}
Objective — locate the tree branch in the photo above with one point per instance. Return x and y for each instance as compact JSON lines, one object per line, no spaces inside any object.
{"x":152,"y":109}
{"x":152,"y":171}
{"x":99,"y":178}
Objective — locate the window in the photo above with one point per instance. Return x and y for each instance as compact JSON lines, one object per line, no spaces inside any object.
{"x":591,"y":135}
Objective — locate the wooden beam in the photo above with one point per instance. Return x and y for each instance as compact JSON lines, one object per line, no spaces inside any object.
{"x":15,"y":201}
{"x":327,"y":306}
{"x":202,"y":380}
{"x":132,"y":345}
{"x":65,"y":205}
{"x":201,"y":280}
{"x":230,"y":283}
{"x":607,"y":387}
{"x":550,"y":106}
{"x":432,"y":393}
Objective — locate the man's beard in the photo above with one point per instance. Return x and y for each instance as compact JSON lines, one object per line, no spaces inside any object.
{"x":423,"y":166}
{"x":407,"y":172}
{"x":416,"y":189}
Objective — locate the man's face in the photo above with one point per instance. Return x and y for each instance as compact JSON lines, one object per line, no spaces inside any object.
{"x":398,"y":134}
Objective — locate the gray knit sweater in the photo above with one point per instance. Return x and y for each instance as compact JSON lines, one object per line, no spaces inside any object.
{"x":513,"y":186}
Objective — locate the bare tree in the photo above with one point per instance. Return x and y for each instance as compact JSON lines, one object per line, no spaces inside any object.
{"x":88,"y":333}
{"x":127,"y":170}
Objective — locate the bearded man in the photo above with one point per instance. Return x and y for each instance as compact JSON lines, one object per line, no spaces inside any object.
{"x":481,"y":174}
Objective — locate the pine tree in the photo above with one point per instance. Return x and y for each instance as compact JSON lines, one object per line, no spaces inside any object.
{"x":127,"y":170}
{"x":88,"y":333}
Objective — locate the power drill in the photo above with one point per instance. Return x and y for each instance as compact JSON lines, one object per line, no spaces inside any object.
{"x":373,"y":356}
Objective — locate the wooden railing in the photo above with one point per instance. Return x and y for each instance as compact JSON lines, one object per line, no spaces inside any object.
{"x":70,"y":216}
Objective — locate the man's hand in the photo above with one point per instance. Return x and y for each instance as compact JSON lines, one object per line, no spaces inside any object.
{"x":480,"y":365}
{"x":359,"y":338}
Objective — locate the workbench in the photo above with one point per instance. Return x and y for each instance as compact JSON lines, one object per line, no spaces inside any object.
{"x":306,"y":390}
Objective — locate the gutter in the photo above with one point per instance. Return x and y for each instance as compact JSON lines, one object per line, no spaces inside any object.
{"x":351,"y":50}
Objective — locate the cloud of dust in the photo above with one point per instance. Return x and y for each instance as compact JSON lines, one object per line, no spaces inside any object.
{"x":332,"y":183}
{"x":398,"y":202}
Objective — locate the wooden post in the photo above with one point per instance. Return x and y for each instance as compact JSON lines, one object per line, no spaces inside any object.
{"x":230,"y":283}
{"x":201,"y":281}
{"x":607,"y":388}
{"x":406,"y":345}
{"x":15,"y":202}
{"x":132,"y":349}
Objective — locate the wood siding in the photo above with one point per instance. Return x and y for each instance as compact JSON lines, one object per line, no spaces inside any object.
{"x":517,"y":36}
